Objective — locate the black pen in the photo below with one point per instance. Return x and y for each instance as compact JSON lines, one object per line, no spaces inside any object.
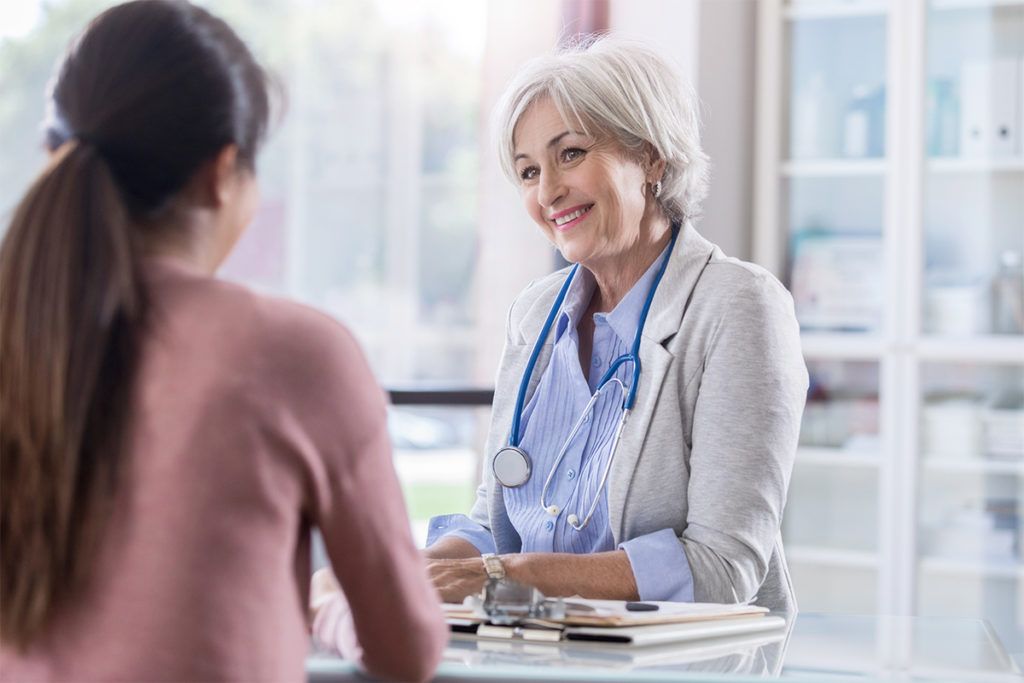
{"x":640,"y":607}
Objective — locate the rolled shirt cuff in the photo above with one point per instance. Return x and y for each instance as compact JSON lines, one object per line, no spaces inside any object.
{"x":660,"y":566}
{"x":462,"y":527}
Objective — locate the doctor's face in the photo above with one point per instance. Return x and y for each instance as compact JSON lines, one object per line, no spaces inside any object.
{"x":585,"y":193}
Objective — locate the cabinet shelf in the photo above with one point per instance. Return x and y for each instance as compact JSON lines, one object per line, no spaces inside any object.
{"x":834,"y":9}
{"x":839,"y":168}
{"x":982,"y":569}
{"x":952,"y":165}
{"x":946,"y":5}
{"x":811,"y":554}
{"x":836,"y":457}
{"x":977,"y":349}
{"x":846,"y":345}
{"x":975,"y":465}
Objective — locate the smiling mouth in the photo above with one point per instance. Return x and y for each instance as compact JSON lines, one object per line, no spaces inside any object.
{"x":570,"y":217}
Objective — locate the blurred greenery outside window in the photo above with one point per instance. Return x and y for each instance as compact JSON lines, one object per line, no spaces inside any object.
{"x":369,"y":186}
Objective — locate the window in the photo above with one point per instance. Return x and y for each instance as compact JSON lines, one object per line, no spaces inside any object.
{"x":381,"y":199}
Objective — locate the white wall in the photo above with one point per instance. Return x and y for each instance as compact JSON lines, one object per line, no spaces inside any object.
{"x":671,"y":26}
{"x":712,"y":42}
{"x":512,"y":250}
{"x":725,"y":83}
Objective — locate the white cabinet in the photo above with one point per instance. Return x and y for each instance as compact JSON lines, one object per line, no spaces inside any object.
{"x":890,"y":199}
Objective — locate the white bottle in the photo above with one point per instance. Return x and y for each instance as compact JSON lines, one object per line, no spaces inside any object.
{"x":856,"y":124}
{"x":1008,"y":295}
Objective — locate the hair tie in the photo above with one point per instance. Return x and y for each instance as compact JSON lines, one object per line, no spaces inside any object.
{"x":56,"y":128}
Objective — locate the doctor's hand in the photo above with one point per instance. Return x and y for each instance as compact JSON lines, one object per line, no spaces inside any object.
{"x":322,"y":589}
{"x":331,"y":622}
{"x":455,"y":579}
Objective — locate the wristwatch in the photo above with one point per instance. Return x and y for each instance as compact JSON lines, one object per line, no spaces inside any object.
{"x":492,"y":564}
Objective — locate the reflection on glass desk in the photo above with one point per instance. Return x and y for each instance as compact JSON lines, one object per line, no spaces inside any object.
{"x":818,"y":647}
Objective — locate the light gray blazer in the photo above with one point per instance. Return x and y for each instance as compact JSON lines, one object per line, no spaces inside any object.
{"x":708,"y":449}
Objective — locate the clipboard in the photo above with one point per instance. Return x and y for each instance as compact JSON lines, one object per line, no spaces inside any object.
{"x":613,"y":613}
{"x":608,"y":622}
{"x":752,"y":654}
{"x":658,"y":634}
{"x":720,"y":636}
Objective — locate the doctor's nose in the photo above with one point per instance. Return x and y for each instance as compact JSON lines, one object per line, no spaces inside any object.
{"x":550,"y":189}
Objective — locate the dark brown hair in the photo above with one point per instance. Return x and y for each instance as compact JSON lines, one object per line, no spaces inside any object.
{"x":149,"y":92}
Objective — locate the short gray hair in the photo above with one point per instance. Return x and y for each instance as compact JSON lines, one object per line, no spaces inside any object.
{"x":626,"y":91}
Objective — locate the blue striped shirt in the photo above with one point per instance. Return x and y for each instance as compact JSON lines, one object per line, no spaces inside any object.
{"x":659,"y":564}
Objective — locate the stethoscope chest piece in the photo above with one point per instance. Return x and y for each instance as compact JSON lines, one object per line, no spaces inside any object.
{"x":511,"y":467}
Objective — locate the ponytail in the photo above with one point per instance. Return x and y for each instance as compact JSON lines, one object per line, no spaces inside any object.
{"x":70,"y":312}
{"x":149,"y":92}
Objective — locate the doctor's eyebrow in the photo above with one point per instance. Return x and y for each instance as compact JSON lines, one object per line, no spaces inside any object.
{"x":552,"y":142}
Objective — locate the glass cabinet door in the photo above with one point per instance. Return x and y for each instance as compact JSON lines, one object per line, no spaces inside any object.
{"x":834,"y":164}
{"x":832,"y":201}
{"x":971,"y":402}
{"x":971,"y":491}
{"x":974,"y":183}
{"x":831,"y":522}
{"x":891,"y":170}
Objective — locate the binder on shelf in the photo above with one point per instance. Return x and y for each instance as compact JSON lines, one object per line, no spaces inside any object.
{"x":989,"y":101}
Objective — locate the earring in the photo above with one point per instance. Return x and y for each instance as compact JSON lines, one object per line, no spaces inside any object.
{"x":656,"y":189}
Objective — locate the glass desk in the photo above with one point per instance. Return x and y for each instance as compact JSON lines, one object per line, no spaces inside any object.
{"x":819,"y":647}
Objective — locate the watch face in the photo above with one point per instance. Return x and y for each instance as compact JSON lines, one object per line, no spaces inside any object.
{"x":494,"y":568}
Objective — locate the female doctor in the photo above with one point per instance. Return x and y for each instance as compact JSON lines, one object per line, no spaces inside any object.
{"x":648,"y":401}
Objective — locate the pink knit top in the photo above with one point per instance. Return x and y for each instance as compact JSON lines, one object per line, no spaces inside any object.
{"x":255,"y":420}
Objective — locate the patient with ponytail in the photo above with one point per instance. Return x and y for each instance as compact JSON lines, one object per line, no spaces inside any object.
{"x":168,"y":440}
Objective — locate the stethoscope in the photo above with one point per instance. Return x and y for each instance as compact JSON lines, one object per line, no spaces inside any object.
{"x":512,"y":466}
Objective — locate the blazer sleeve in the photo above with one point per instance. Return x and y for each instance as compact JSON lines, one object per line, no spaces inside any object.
{"x":746,"y":425}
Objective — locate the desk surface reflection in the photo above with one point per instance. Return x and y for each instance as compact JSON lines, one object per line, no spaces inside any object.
{"x":815,"y":646}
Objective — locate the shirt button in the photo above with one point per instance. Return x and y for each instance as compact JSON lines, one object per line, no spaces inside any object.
{"x":586,"y":418}
{"x":571,"y":474}
{"x":549,"y":525}
{"x":597,"y":362}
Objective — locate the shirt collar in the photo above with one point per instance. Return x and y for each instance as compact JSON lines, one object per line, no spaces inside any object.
{"x":623,"y":319}
{"x":576,"y":301}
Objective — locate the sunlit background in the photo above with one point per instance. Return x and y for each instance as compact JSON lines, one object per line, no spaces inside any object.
{"x":870,"y":153}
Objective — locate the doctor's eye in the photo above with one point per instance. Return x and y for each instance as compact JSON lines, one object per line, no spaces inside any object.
{"x":528,"y":173}
{"x":572,"y":154}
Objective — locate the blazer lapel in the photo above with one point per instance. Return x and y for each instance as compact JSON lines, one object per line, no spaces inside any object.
{"x":529,"y":327}
{"x":691,"y":253}
{"x":689,"y":257}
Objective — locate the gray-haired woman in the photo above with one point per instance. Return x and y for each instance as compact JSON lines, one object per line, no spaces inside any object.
{"x":648,"y":402}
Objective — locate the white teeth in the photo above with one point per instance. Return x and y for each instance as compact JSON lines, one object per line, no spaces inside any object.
{"x":562,"y":220}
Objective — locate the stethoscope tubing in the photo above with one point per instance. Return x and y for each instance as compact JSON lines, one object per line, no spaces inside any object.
{"x":633,"y":355}
{"x":565,"y":449}
{"x":524,"y":383}
{"x":606,"y":378}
